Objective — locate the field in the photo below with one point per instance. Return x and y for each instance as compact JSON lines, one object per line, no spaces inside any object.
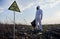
{"x":51,"y":31}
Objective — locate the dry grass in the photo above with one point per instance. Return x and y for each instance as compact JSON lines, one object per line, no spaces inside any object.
{"x":6,"y":31}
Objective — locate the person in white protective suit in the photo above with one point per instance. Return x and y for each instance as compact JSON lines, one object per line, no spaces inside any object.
{"x":38,"y":18}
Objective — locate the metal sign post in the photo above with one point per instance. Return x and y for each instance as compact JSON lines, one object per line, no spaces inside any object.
{"x":14,"y":7}
{"x":14,"y":27}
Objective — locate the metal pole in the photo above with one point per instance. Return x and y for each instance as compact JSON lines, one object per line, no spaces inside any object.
{"x":14,"y":27}
{"x":25,"y":21}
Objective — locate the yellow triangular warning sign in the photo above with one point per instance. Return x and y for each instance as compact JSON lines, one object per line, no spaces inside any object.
{"x":14,"y":7}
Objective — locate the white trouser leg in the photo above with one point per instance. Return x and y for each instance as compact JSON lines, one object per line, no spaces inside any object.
{"x":36,"y":23}
{"x":40,"y":25}
{"x":38,"y":20}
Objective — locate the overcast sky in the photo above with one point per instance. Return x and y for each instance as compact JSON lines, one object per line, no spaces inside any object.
{"x":51,"y":11}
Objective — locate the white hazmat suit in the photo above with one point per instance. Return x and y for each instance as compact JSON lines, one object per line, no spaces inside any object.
{"x":38,"y":18}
